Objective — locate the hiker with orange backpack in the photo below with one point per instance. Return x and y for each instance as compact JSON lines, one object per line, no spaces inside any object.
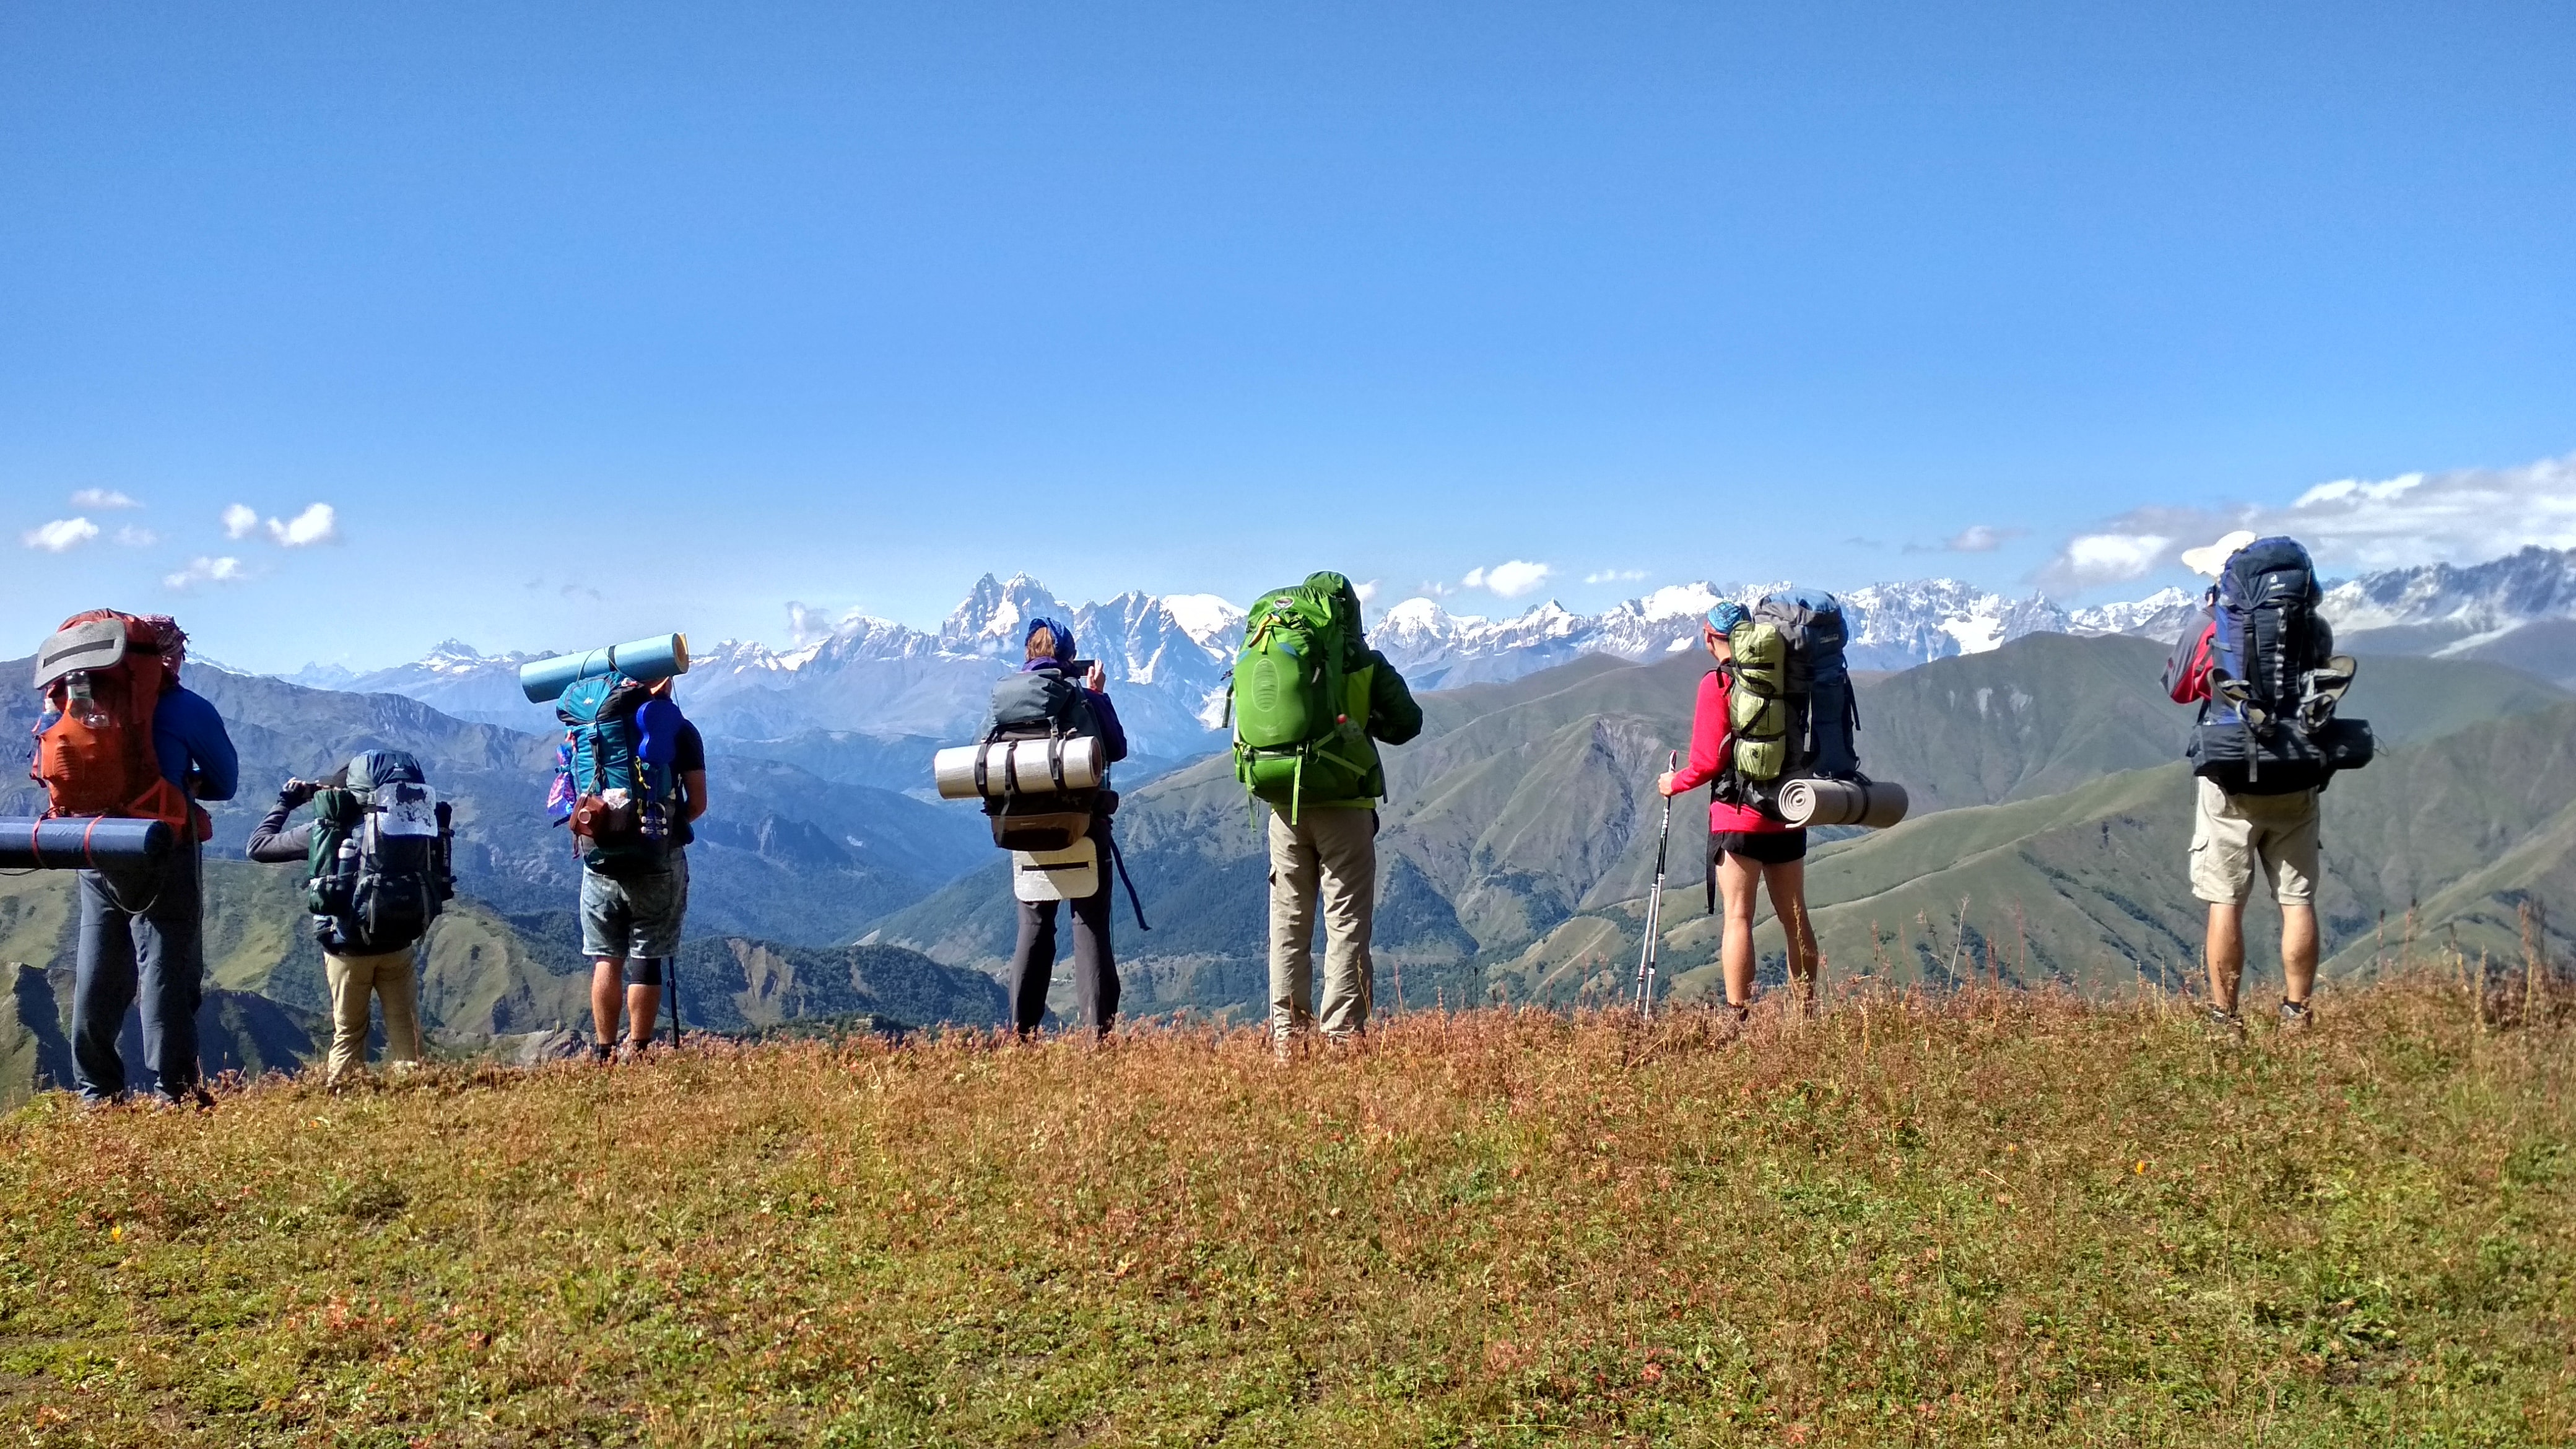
{"x":120,"y":736}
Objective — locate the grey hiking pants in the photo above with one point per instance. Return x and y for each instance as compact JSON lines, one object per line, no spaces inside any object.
{"x":140,"y":934}
{"x":1329,"y":853}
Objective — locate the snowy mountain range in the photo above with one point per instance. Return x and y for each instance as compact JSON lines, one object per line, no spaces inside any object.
{"x":1168,"y":656}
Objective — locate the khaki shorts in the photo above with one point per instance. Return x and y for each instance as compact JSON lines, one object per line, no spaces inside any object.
{"x":2230,"y":832}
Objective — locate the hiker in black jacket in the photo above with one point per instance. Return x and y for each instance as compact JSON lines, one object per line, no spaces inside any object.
{"x":1049,"y":647}
{"x":373,"y":889}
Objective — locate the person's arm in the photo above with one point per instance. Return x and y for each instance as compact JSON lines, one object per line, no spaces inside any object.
{"x":272,"y":842}
{"x":1394,"y":717}
{"x":1708,"y":737}
{"x":1113,"y":735}
{"x":689,"y":763}
{"x":215,"y":766}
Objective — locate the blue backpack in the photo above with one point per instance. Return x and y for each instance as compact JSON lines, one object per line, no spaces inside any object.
{"x":616,"y":799}
{"x":2269,"y":725}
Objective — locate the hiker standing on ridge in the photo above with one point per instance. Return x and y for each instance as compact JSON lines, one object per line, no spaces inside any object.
{"x":2259,"y":661}
{"x":1311,"y":703}
{"x":1042,"y":701}
{"x":122,"y":737}
{"x":1746,"y":845}
{"x":632,"y":781}
{"x":377,"y":858}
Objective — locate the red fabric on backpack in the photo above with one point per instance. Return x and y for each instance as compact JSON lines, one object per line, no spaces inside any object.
{"x":2190,"y":683}
{"x":112,"y":769}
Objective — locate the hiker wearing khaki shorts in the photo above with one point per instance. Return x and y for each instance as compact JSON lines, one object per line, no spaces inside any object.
{"x":2230,"y":835}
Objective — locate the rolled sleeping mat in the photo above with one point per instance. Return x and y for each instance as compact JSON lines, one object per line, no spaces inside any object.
{"x":1876,"y":804}
{"x":659,"y":657}
{"x":1024,"y":763}
{"x":80,"y":842}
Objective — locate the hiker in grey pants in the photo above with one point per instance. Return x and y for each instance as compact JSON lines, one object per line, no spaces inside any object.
{"x":1329,"y":851}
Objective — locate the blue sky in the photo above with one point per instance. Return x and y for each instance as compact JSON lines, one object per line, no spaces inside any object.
{"x":589,"y":321}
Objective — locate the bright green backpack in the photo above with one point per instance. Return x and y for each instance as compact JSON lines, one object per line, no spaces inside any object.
{"x":1300,"y":698}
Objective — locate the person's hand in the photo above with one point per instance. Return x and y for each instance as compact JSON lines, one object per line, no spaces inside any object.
{"x":1097,"y":681}
{"x":1664,"y":783}
{"x":296,"y":792}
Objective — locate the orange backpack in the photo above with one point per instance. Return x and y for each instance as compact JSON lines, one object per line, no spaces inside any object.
{"x":102,"y":678}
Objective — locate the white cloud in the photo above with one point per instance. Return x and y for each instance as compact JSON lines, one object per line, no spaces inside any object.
{"x":1366,"y":591}
{"x":2465,"y":515}
{"x":316,"y":524}
{"x":1979,"y":538}
{"x":241,"y":521}
{"x":1615,"y":576}
{"x":1509,"y":580}
{"x":133,"y":537}
{"x":203,"y":570}
{"x":61,"y":535}
{"x":102,"y":498}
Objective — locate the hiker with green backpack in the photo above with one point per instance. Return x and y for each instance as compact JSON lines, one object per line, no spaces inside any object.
{"x":377,"y":855}
{"x":1311,"y":702}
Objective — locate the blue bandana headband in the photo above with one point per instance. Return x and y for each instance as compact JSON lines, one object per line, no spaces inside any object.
{"x":1063,"y":636}
{"x":1726,"y":616}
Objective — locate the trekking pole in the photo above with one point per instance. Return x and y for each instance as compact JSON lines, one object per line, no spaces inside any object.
{"x":672,"y":973}
{"x":1655,"y":908}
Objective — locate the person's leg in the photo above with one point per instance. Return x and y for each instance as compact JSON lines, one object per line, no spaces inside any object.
{"x":1294,"y":877}
{"x":1032,"y":965}
{"x":398,"y":987}
{"x":2225,"y":945}
{"x":2298,"y":953}
{"x":2222,"y":876}
{"x":1735,"y":883}
{"x":607,"y":998}
{"x":169,"y":957}
{"x":1095,"y":962}
{"x":643,"y":978}
{"x":1787,"y":883}
{"x":1346,"y":850}
{"x":102,"y":988}
{"x":350,"y":980}
{"x":607,"y":928}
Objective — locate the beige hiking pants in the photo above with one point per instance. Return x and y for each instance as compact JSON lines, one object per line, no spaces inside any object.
{"x":354,"y":979}
{"x":1331,"y":851}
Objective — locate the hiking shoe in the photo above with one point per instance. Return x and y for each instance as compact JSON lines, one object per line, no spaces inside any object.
{"x":2294,"y":1016}
{"x":2226,"y":1025}
{"x":602,"y":1053}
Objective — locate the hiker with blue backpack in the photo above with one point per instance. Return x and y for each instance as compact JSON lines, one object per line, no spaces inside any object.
{"x":2259,"y":660}
{"x":1777,"y":707}
{"x":1311,"y":702}
{"x":377,"y":856}
{"x":1050,"y":736}
{"x":630,"y":783}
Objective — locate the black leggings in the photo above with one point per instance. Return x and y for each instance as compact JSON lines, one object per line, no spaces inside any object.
{"x":1095,"y":965}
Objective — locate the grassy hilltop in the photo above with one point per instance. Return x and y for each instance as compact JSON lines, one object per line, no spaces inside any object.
{"x":1989,"y":1218}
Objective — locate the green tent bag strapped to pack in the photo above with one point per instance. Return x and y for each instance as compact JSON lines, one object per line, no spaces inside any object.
{"x":1299,"y":699}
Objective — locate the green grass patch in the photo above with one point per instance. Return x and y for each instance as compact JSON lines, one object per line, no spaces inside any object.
{"x":1988,"y":1219}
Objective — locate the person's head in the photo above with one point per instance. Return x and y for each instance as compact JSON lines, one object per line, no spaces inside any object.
{"x":1048,"y":639}
{"x":170,"y":641}
{"x":1717,"y":628}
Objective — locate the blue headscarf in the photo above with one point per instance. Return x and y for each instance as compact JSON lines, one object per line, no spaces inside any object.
{"x":1063,"y":636}
{"x":1726,"y":615}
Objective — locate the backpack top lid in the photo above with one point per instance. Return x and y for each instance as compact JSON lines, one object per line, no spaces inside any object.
{"x":1814,"y":601}
{"x":371,"y":768}
{"x":2265,"y":556}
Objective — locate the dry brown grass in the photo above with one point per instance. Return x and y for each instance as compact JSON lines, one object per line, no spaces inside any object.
{"x":1989,"y":1219}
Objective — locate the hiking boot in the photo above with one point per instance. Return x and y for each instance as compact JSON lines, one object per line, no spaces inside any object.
{"x":602,"y":1053}
{"x":2226,"y":1025}
{"x":2294,"y":1016}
